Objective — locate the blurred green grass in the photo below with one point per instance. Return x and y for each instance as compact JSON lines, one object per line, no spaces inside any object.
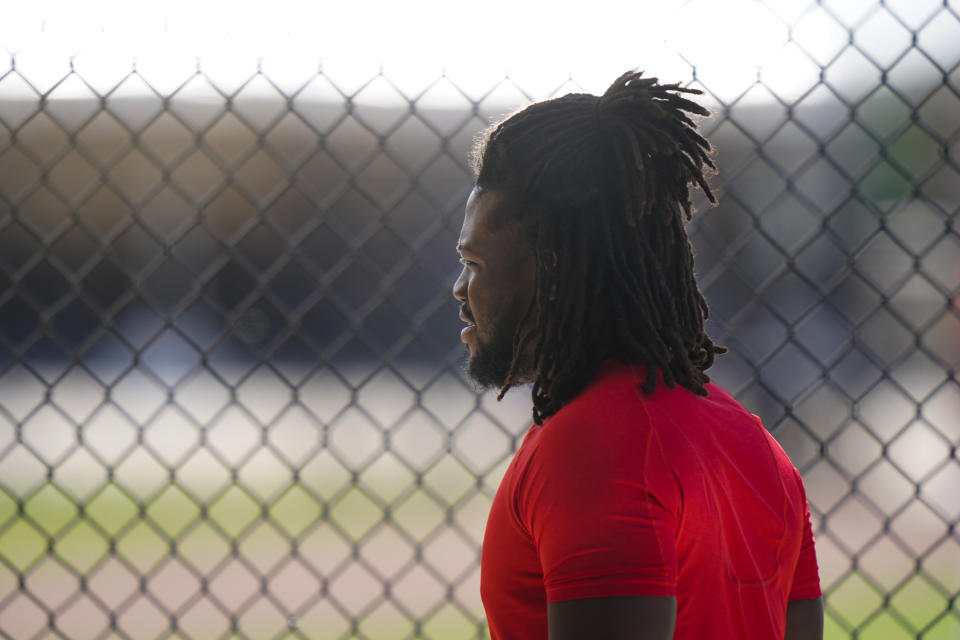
{"x":235,"y":524}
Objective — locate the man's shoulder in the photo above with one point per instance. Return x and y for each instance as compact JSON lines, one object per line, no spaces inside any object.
{"x":616,"y":393}
{"x":613,"y":394}
{"x":610,"y":409}
{"x":613,"y":409}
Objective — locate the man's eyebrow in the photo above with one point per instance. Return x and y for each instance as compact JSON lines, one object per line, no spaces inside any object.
{"x":464,"y":246}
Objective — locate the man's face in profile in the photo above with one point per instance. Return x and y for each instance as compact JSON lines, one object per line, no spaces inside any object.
{"x":495,"y":288}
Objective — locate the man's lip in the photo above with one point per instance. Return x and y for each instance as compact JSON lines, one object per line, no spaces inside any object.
{"x":464,"y":318}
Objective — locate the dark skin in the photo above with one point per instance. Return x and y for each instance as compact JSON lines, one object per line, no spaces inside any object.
{"x":495,"y":285}
{"x":497,"y":280}
{"x":805,"y":620}
{"x":649,"y":618}
{"x":613,"y":618}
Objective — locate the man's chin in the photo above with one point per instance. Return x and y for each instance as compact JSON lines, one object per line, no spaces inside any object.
{"x":485,"y":372}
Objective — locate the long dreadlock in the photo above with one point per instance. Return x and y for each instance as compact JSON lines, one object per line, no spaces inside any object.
{"x":599,"y":188}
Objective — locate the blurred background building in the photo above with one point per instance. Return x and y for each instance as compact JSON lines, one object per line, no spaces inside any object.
{"x":231,"y":397}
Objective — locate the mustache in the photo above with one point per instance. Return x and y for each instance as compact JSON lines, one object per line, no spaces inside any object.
{"x":465,"y":311}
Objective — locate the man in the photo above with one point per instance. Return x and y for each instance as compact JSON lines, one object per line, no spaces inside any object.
{"x":644,"y":502}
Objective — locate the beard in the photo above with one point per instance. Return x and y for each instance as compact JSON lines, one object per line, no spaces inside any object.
{"x":490,"y":363}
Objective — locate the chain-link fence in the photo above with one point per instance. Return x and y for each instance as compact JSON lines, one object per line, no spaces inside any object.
{"x":231,"y":401}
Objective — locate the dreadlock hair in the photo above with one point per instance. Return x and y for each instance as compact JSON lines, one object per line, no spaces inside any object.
{"x":598,"y":187}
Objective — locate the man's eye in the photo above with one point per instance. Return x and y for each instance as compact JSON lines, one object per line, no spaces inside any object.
{"x":467,"y":263}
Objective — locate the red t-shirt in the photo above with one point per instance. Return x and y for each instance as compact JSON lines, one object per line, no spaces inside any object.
{"x":671,"y":494}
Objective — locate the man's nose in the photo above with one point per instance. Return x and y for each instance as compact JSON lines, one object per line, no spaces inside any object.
{"x":460,"y":286}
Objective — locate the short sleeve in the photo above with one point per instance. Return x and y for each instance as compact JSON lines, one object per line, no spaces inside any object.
{"x":806,"y":576}
{"x":600,"y":527}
